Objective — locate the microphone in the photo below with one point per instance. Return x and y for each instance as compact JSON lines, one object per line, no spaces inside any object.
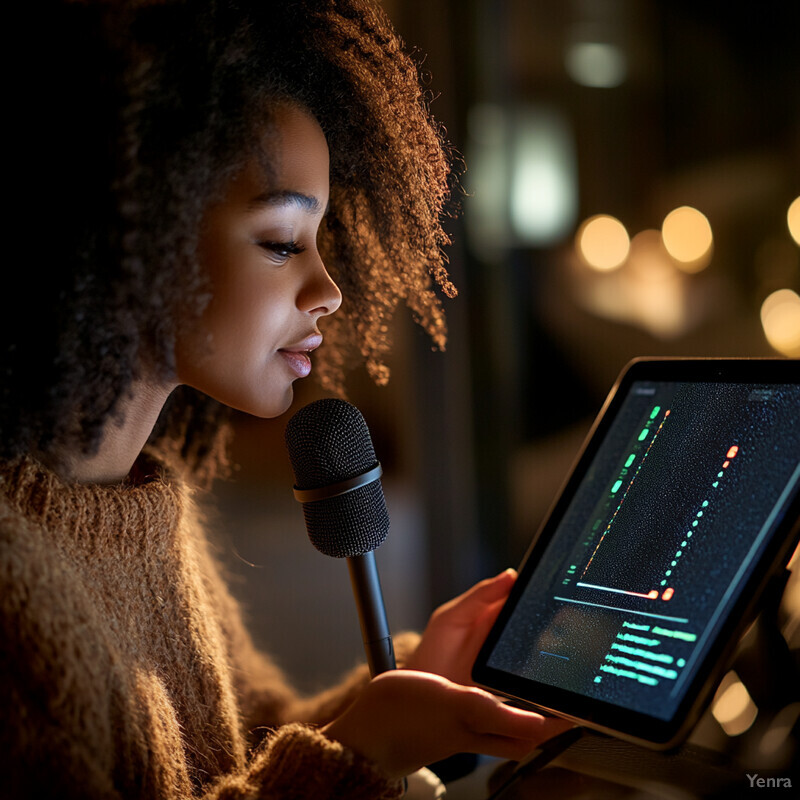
{"x":338,"y":482}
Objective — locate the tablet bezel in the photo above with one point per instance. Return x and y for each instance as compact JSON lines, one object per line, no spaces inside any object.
{"x":606,"y":717}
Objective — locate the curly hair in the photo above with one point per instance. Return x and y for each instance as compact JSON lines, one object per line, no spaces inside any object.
{"x":142,"y":113}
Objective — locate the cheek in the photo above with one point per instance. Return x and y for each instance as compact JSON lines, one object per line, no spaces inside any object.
{"x":237,"y":315}
{"x":246,"y":297}
{"x":218,"y":340}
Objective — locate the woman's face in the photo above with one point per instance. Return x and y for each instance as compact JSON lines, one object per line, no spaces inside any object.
{"x":269,"y":285}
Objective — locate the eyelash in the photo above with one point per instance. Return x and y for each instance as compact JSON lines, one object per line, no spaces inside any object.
{"x":283,"y":250}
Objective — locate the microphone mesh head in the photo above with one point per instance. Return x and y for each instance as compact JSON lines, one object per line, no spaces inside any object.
{"x":328,"y":442}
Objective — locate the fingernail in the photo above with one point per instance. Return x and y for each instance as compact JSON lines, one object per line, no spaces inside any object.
{"x":509,"y":571}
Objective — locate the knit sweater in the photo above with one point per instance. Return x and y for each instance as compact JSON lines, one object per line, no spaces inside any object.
{"x":125,"y":668}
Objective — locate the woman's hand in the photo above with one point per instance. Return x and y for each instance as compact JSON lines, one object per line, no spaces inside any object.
{"x":457,"y":629}
{"x":404,"y":720}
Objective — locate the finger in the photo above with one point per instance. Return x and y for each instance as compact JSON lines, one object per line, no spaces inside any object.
{"x":490,"y":613}
{"x":484,"y":593}
{"x":530,"y":726}
{"x":514,"y":733}
{"x":488,"y":714}
{"x":482,"y":625}
{"x":492,"y":588}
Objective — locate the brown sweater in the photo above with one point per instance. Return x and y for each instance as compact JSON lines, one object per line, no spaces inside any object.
{"x":125,"y":670}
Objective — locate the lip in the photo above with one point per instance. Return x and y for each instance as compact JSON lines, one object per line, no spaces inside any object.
{"x":296,"y":355}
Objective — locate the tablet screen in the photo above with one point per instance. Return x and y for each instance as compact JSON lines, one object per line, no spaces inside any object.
{"x":671,"y":514}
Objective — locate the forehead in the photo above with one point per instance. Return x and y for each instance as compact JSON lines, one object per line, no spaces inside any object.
{"x":291,"y":170}
{"x":296,"y":149}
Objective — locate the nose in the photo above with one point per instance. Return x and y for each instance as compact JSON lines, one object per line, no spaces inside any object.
{"x":319,"y":295}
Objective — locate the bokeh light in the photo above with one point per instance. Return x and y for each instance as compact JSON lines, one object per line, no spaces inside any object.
{"x":655,"y":288}
{"x":793,"y":219}
{"x":602,"y":242}
{"x":780,"y":318}
{"x":777,"y":735}
{"x":688,"y":238}
{"x":599,"y":65}
{"x":733,"y":708}
{"x":543,"y":192}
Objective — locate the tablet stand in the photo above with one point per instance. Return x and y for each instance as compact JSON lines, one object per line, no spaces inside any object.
{"x":710,"y":765}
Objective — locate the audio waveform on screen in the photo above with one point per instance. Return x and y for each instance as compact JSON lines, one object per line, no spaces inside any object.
{"x":641,"y":437}
{"x":696,"y":523}
{"x":647,"y":654}
{"x":651,"y":595}
{"x":667,"y":592}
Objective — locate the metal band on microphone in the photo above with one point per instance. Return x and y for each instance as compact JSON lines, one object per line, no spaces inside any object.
{"x":335,"y":489}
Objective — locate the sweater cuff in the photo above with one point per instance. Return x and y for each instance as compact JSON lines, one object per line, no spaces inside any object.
{"x":405,"y":645}
{"x":298,"y":761}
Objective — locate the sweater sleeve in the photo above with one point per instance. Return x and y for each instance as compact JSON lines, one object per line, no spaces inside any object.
{"x":296,"y":762}
{"x":68,"y":724}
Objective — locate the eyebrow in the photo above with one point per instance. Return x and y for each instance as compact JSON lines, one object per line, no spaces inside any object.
{"x":286,"y":197}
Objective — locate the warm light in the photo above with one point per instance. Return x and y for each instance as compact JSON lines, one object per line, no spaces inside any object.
{"x":733,"y":708}
{"x":780,"y":730}
{"x":780,"y":318}
{"x":596,"y":64}
{"x":687,"y":236}
{"x":647,"y":291}
{"x":602,"y":242}
{"x":656,"y":288}
{"x":649,"y":260}
{"x":793,"y":219}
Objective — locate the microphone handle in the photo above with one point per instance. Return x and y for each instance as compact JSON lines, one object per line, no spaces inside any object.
{"x":371,"y":613}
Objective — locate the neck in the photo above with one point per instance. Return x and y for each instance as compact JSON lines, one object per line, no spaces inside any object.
{"x":124,"y":437}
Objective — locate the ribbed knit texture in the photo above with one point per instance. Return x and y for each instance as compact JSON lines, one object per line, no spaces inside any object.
{"x":125,"y":669}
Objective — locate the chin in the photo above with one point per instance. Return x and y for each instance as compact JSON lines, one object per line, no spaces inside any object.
{"x":268,"y":408}
{"x":264,"y":400}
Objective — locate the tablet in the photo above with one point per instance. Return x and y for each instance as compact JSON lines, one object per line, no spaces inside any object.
{"x":683,"y":505}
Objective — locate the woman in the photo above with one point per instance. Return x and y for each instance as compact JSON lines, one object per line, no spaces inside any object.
{"x":180,"y":158}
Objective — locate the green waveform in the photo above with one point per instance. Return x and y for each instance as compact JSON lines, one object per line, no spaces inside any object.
{"x":626,"y":673}
{"x":663,"y":658}
{"x":671,"y":674}
{"x":686,"y":637}
{"x":629,"y":637}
